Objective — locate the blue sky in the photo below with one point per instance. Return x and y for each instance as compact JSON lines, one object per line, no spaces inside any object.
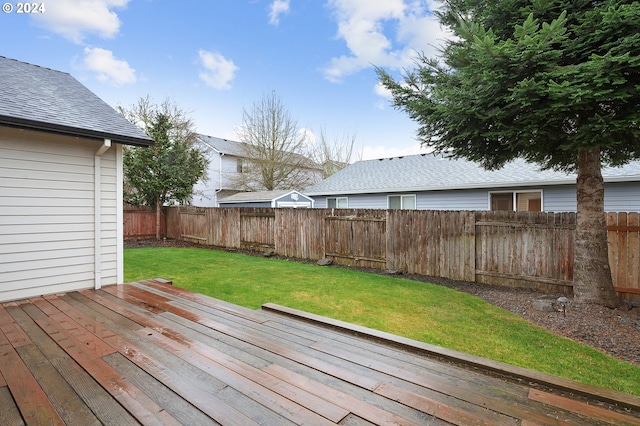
{"x":215,"y":57}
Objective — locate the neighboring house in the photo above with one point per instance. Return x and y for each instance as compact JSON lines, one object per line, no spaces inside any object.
{"x":436,"y":182}
{"x":61,"y":215}
{"x":227,"y":162}
{"x":277,"y":199}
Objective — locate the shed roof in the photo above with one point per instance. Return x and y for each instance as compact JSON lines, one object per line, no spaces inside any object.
{"x":40,"y":98}
{"x":431,"y":172}
{"x":258,"y":196}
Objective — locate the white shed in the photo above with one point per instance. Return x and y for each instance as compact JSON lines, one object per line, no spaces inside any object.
{"x":60,"y":183}
{"x":275,"y":199}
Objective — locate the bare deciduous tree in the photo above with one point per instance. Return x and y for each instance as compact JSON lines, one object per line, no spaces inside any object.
{"x":332,"y":154}
{"x":144,"y":113}
{"x":274,"y":147}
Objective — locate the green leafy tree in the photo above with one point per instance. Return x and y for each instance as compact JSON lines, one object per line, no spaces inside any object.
{"x":166,"y":172}
{"x":554,"y":82}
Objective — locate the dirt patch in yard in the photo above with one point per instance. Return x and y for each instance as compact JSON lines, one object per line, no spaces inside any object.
{"x":613,"y":331}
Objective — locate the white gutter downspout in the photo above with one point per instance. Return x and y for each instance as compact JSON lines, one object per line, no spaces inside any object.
{"x":219,"y":178}
{"x":97,"y":213}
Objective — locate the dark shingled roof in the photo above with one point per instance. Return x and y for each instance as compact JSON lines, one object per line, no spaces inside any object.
{"x":39,"y":98}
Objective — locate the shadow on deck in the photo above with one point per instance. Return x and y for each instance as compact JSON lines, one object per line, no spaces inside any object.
{"x":151,"y":353}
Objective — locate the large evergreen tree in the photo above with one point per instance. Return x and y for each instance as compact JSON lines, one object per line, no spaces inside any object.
{"x":554,"y":82}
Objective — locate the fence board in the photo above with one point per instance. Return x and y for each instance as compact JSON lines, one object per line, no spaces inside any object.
{"x":633,"y":252}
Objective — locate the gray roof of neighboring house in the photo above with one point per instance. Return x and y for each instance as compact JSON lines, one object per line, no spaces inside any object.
{"x":430,"y":172}
{"x":258,"y":196}
{"x":40,"y":98}
{"x":224,"y":146}
{"x":240,"y":149}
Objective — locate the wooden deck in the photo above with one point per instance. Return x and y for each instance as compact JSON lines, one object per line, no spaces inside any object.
{"x":151,"y":353}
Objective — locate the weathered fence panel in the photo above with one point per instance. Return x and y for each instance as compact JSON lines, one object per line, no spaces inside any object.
{"x":525,"y":249}
{"x":193,"y":224}
{"x":357,"y":240}
{"x":624,"y":253}
{"x":433,"y":243}
{"x":140,"y":222}
{"x":224,"y":229}
{"x":257,"y":229}
{"x":299,"y":233}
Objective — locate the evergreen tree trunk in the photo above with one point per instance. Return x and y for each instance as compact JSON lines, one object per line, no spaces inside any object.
{"x":592,"y":282}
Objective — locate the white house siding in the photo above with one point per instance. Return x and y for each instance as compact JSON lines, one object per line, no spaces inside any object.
{"x":220,"y":174}
{"x":47,"y":214}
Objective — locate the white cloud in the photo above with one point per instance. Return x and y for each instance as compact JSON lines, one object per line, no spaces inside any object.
{"x":75,"y":19}
{"x":385,"y":33}
{"x":384,"y":93}
{"x":110,"y":69}
{"x":218,"y":71}
{"x":277,"y":8}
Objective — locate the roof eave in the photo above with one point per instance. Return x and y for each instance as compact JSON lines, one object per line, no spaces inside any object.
{"x":73,"y":131}
{"x":481,"y":185}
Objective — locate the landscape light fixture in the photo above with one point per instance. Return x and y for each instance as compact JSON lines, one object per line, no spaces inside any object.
{"x":564,"y":302}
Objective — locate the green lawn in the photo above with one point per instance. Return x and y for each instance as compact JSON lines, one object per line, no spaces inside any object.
{"x":420,"y":311}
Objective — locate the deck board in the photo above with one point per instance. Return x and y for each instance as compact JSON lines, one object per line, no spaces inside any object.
{"x":152,"y":353}
{"x":89,"y":392}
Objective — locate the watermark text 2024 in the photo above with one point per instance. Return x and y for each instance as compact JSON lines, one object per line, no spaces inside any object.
{"x":23,"y":8}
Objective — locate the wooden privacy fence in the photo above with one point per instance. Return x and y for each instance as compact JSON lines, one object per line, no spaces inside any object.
{"x":140,"y":222}
{"x":524,"y":249}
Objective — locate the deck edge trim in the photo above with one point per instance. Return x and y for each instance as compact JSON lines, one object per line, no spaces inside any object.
{"x":515,"y":372}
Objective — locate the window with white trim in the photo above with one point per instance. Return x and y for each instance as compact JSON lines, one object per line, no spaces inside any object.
{"x":520,"y":201}
{"x":402,"y":202}
{"x":337,"y":202}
